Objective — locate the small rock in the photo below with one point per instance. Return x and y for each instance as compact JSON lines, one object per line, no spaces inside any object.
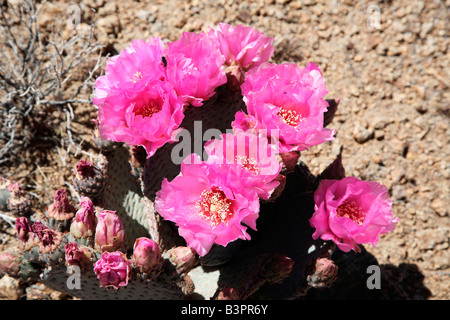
{"x":10,"y":288}
{"x":398,"y":193}
{"x":399,"y":97}
{"x":39,"y":291}
{"x":109,"y":25}
{"x":400,"y":147}
{"x":146,"y":15}
{"x":377,"y":159}
{"x":441,"y":260}
{"x":358,"y":58}
{"x":420,"y":91}
{"x":379,"y":134}
{"x":420,"y":106}
{"x":362,"y":134}
{"x":424,"y":213}
{"x":354,"y":90}
{"x":426,"y":28}
{"x":397,"y":175}
{"x":439,"y":207}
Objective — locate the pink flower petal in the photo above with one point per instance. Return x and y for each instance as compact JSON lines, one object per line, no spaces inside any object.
{"x":351,"y":212}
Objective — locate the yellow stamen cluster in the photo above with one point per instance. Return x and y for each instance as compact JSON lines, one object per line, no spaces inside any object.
{"x":290,"y":117}
{"x":214,"y":206}
{"x":352,"y":211}
{"x":248,"y":163}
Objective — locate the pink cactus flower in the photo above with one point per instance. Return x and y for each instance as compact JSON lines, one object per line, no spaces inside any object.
{"x":184,"y":258}
{"x":23,"y":229}
{"x":209,"y":204}
{"x":251,"y":155}
{"x":242,"y":45}
{"x":140,"y":62}
{"x":149,"y":116}
{"x":194,"y":67}
{"x":109,"y":233}
{"x":288,"y":100}
{"x":146,"y":254}
{"x":351,"y":212}
{"x":244,"y":122}
{"x":113,"y":269}
{"x":135,"y":103}
{"x":83,"y":225}
{"x":309,"y":78}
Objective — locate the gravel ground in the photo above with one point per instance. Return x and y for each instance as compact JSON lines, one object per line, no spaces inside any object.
{"x":391,"y":74}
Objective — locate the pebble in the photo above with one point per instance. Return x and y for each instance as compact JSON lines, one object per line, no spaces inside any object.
{"x":10,"y":288}
{"x":39,"y":291}
{"x":109,"y":25}
{"x":362,"y":134}
{"x":440,"y":207}
{"x":398,"y":193}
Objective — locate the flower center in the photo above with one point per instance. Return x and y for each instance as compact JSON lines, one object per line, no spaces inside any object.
{"x":351,"y":210}
{"x":148,"y":110}
{"x":214,"y":206}
{"x":290,"y":117}
{"x":136,"y":77}
{"x":248,"y":163}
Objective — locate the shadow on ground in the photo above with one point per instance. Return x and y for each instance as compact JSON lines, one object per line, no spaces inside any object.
{"x":402,"y":282}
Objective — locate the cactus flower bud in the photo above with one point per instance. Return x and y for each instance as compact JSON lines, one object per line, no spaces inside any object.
{"x":227,"y":294}
{"x":10,"y":263}
{"x":83,"y":225}
{"x":78,"y":256}
{"x":109,"y":233}
{"x":23,"y":229}
{"x":113,"y":269}
{"x":61,"y":209}
{"x":89,"y":179}
{"x":85,"y":169}
{"x":19,"y":201}
{"x":146,"y":255}
{"x":184,"y":258}
{"x":324,"y":275}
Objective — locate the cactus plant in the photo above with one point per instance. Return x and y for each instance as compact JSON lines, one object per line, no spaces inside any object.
{"x":121,"y":247}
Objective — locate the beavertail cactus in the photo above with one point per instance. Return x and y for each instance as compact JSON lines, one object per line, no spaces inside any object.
{"x":210,"y":198}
